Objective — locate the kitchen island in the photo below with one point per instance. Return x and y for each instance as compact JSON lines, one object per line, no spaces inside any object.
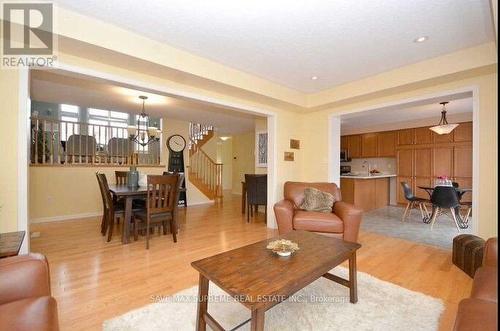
{"x":366,"y":192}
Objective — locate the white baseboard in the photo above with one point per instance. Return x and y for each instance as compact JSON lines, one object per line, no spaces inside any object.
{"x":64,"y":217}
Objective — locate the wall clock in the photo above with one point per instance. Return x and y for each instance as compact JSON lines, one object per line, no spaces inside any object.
{"x":176,"y":143}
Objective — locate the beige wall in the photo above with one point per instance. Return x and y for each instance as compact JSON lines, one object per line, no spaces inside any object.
{"x":225,"y":156}
{"x":243,"y":158}
{"x":72,"y":192}
{"x":9,"y":91}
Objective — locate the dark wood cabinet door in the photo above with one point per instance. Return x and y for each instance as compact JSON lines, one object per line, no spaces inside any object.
{"x":406,"y":137}
{"x":423,"y":162}
{"x":405,"y":162}
{"x":462,"y":161}
{"x":443,"y":162}
{"x":354,"y":146}
{"x":463,"y":132}
{"x":387,"y":144}
{"x":423,"y":136}
{"x":369,"y":144}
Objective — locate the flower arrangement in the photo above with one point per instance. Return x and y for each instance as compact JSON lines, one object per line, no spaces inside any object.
{"x":283,"y":247}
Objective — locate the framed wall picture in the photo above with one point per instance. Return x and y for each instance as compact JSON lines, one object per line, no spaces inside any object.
{"x":261,"y":149}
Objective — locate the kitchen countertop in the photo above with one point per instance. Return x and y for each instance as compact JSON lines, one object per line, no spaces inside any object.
{"x":368,"y":177}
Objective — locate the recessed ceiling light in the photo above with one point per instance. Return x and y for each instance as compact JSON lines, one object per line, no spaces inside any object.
{"x":420,"y":39}
{"x":314,"y":77}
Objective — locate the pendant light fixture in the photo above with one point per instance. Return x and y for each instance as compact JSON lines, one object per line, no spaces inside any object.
{"x":143,"y":134}
{"x":443,"y":127}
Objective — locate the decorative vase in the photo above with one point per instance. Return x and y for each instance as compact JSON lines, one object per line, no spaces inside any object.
{"x":143,"y":180}
{"x":133,"y":177}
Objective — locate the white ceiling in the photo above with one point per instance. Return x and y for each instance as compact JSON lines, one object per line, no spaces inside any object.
{"x":289,"y":41}
{"x":69,"y":88}
{"x":421,"y":113}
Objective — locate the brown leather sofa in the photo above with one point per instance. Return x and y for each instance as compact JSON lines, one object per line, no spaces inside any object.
{"x":342,"y":222}
{"x":25,"y":301}
{"x":479,"y":312}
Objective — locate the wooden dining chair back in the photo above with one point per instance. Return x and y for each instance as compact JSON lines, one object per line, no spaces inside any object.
{"x":121,"y":177}
{"x":104,"y":204}
{"x":256,"y":186}
{"x":161,"y":205}
{"x":111,"y":210}
{"x":445,"y":197}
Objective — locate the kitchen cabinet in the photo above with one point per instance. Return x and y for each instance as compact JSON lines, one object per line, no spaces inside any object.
{"x":462,"y":161}
{"x":423,"y":162}
{"x":442,"y":138}
{"x":463,"y":132}
{"x":423,"y":136}
{"x":369,"y":145}
{"x":354,"y":146}
{"x":386,"y":144}
{"x":366,"y":194}
{"x":442,"y":162}
{"x":343,"y":143}
{"x":405,"y":162}
{"x":406,"y":136}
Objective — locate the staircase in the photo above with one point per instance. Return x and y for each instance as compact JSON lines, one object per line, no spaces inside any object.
{"x":203,"y":172}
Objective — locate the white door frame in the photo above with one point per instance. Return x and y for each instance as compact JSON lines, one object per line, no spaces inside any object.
{"x":24,"y":133}
{"x":23,"y":143}
{"x":334,"y":139}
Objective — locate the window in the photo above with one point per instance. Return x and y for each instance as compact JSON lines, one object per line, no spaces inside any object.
{"x":69,"y":115}
{"x":106,"y":124}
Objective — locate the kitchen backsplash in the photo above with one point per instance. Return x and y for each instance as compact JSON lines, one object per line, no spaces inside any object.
{"x":384,"y":164}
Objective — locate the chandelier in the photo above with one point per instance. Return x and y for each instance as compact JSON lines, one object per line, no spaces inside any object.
{"x":443,"y":127}
{"x":143,"y":134}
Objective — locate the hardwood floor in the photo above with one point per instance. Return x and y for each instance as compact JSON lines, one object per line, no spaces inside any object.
{"x":93,"y":280}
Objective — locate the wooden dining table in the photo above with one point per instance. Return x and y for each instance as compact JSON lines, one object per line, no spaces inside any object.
{"x":460,"y":192}
{"x":128,"y":194}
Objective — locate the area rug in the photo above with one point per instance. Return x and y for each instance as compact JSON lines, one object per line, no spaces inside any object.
{"x":322,"y":305}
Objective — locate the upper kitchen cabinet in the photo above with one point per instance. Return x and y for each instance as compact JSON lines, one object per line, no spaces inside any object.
{"x":406,"y":137}
{"x":463,"y":132}
{"x":443,"y":138}
{"x":423,"y":136}
{"x":354,"y":146}
{"x":343,"y":143}
{"x":369,"y":145}
{"x":386,"y":144}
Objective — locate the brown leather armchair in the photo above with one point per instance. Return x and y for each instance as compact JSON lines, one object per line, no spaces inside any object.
{"x":25,"y":301}
{"x":342,"y":222}
{"x":479,"y":312}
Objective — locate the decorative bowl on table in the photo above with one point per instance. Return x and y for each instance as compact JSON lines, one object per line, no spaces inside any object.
{"x":283,"y":247}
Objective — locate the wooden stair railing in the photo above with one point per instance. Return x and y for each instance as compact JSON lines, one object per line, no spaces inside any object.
{"x":205,"y":174}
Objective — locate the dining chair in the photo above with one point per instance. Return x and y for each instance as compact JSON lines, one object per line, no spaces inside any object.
{"x":111,"y":209}
{"x":161,"y":206}
{"x":182,"y":186}
{"x":121,"y":177}
{"x":445,"y":197}
{"x":413,"y":202}
{"x":256,"y":186}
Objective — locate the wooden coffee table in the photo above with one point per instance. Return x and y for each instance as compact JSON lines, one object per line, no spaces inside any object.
{"x":259,"y":279}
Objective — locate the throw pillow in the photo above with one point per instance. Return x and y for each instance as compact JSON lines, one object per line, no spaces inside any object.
{"x":316,"y":200}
